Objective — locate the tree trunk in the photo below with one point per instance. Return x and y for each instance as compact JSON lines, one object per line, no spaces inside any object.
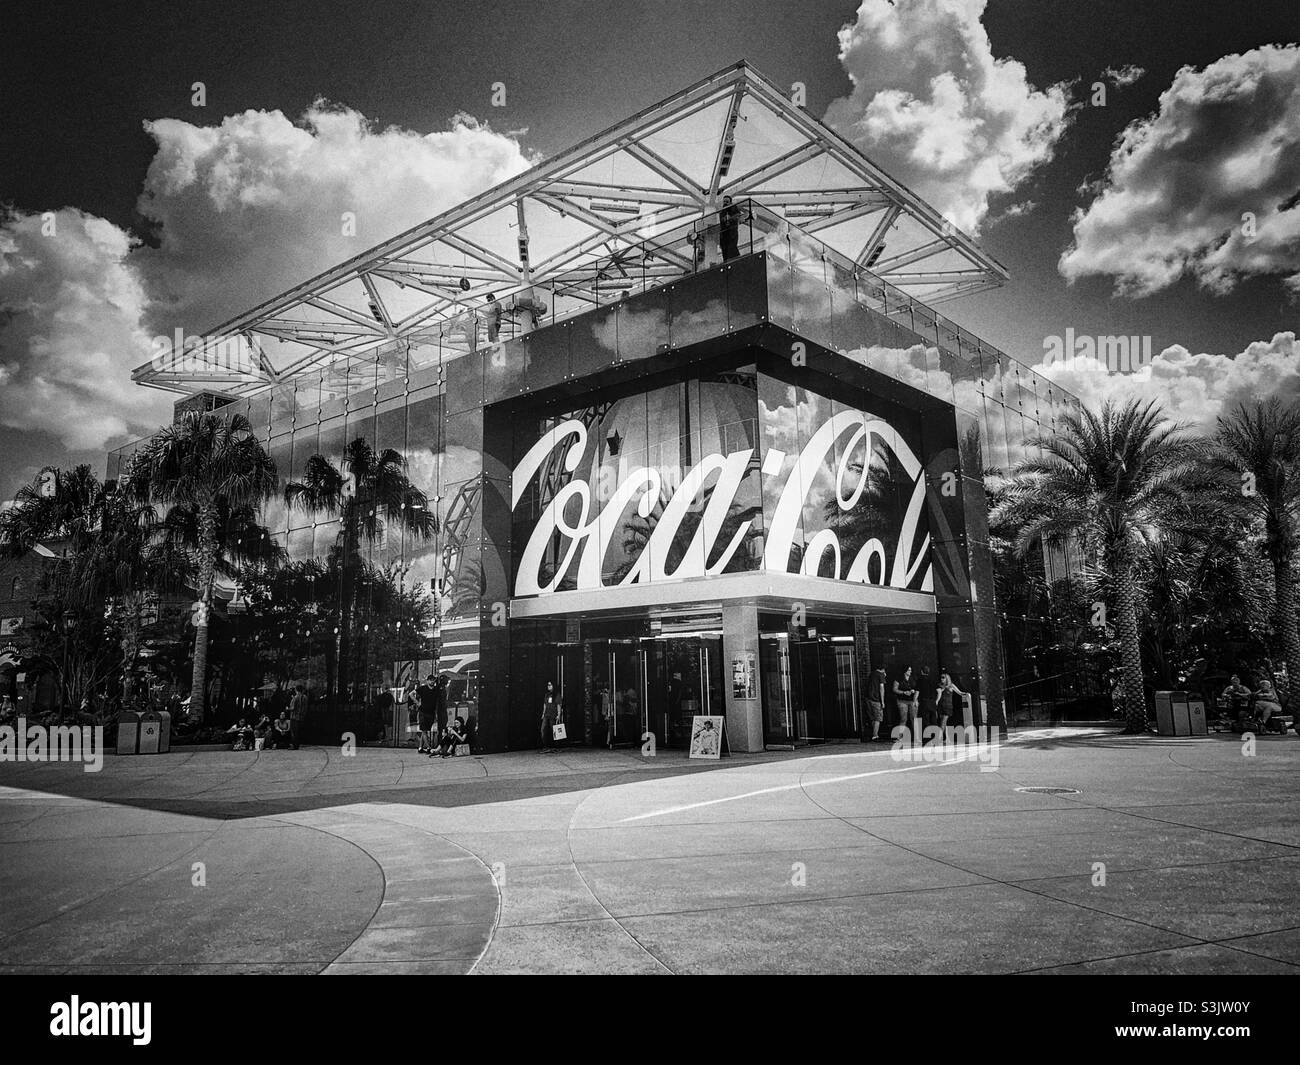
{"x":1288,"y":629}
{"x":1126,"y":628}
{"x":207,"y":563}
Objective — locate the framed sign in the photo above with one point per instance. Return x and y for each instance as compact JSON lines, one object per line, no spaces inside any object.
{"x":9,"y":626}
{"x":706,"y":737}
{"x":743,"y":675}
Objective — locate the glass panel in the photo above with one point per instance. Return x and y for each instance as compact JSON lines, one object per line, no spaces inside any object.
{"x":306,"y":398}
{"x":282,"y":397}
{"x":699,"y":308}
{"x":779,"y":428}
{"x":642,"y":327}
{"x":746,"y":294}
{"x":464,"y":380}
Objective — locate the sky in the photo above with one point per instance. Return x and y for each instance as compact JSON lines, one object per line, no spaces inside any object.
{"x":1136,"y":167}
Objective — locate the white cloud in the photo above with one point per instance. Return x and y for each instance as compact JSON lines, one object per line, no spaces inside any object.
{"x":254,"y":205}
{"x":937,"y":111}
{"x":1194,"y":389}
{"x":1122,"y":77}
{"x":70,"y":330}
{"x":1207,"y":187}
{"x":243,"y":210}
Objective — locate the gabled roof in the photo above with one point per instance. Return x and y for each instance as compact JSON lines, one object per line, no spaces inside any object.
{"x":734,"y":133}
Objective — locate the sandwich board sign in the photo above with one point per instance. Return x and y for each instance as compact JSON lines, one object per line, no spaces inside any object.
{"x":706,"y":736}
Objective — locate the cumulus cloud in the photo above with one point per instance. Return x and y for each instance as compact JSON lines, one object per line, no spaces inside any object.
{"x":1207,"y":187}
{"x":1194,"y":389}
{"x":937,"y":111}
{"x":240,"y":211}
{"x":255,"y":205}
{"x":1122,"y":77}
{"x":71,"y":309}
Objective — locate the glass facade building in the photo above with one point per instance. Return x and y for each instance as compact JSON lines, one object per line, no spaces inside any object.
{"x":686,"y":455}
{"x":733,"y":493}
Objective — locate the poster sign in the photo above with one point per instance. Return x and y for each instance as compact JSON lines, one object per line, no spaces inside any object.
{"x":743,"y":675}
{"x":9,"y":626}
{"x":706,"y":736}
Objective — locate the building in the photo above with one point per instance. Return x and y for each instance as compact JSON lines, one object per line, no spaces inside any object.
{"x":20,"y":585}
{"x":697,"y":439}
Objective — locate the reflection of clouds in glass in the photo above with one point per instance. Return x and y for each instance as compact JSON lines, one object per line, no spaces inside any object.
{"x":701,"y":320}
{"x":421,"y":468}
{"x":632,"y":323}
{"x":903,"y":364}
{"x":780,"y":425}
{"x":459,"y":464}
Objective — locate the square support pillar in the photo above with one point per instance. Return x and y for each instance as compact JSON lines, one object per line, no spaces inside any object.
{"x":740,"y":641}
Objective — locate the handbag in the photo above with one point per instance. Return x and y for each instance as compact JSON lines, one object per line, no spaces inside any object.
{"x":559,"y":732}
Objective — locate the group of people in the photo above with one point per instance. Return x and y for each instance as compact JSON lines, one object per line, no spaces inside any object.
{"x":279,"y":733}
{"x":1260,"y":704}
{"x":436,"y":735}
{"x":904,"y":692}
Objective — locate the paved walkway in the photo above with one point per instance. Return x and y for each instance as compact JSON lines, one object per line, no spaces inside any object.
{"x":592,"y":861}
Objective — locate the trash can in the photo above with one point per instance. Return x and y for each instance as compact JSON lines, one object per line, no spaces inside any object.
{"x":1196,"y":714}
{"x":1173,"y":717}
{"x":128,"y":732}
{"x":150,"y":732}
{"x":164,"y":731}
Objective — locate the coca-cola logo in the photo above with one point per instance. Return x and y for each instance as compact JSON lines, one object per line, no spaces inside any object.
{"x":586,"y":525}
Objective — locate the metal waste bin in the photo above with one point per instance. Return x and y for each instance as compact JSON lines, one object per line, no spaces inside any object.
{"x":128,"y":732}
{"x":1173,"y":716}
{"x":1196,"y":714}
{"x":150,"y":732}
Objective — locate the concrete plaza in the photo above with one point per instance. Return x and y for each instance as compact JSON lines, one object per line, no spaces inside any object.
{"x":838,"y":859}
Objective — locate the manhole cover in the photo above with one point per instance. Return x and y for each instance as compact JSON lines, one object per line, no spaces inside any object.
{"x":1050,"y":791}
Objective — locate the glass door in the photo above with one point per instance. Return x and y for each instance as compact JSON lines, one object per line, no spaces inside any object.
{"x":618,"y":668}
{"x":810,"y":724}
{"x":778,"y":689}
{"x":838,"y":682}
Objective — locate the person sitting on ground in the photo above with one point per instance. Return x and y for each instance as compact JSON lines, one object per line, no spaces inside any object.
{"x":451,"y":736}
{"x":243,"y":735}
{"x":261,"y":731}
{"x":1266,"y":702}
{"x":282,"y":734}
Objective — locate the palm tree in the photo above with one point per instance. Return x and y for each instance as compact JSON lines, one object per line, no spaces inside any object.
{"x":201,"y":464}
{"x":103,"y":531}
{"x":58,"y":505}
{"x":367,"y":491}
{"x":1109,"y":481}
{"x":1259,"y":448}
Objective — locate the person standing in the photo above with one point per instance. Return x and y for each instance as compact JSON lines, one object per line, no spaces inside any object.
{"x":876,"y":702}
{"x":492,"y":312}
{"x":428,"y":722}
{"x":729,"y":229}
{"x":607,"y":714}
{"x":551,"y":715}
{"x":905,"y":698}
{"x":945,"y":699}
{"x":297,"y":712}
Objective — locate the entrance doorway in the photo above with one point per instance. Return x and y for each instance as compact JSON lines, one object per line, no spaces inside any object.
{"x":653,"y":685}
{"x":809,"y":681}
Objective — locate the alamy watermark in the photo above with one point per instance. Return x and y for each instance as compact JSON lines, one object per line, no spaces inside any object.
{"x":1116,"y":354}
{"x":949,"y":743}
{"x":60,"y":743}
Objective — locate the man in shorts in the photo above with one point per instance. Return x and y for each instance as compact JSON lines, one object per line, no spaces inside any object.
{"x":876,"y":702}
